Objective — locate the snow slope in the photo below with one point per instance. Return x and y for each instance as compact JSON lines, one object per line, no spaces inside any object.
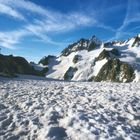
{"x":50,"y":110}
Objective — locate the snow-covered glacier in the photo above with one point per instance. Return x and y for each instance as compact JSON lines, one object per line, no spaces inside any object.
{"x":58,"y":110}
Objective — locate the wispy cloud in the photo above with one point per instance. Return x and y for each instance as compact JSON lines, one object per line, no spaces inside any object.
{"x":132,"y":15}
{"x":48,"y":21}
{"x":4,"y":9}
{"x":9,"y":39}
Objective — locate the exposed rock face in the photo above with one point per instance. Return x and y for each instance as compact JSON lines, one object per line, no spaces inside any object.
{"x":82,"y":44}
{"x":10,"y":66}
{"x":93,"y":43}
{"x":115,"y":71}
{"x":70,"y":73}
{"x":44,"y":71}
{"x":92,"y":46}
{"x":107,"y":54}
{"x":76,"y":58}
{"x":79,"y":45}
{"x":136,"y":42}
{"x":45,"y":60}
{"x":108,"y":44}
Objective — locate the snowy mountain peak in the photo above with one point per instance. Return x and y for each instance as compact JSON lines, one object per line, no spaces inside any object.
{"x":82,"y":44}
{"x":93,"y":60}
{"x":95,"y":40}
{"x":139,"y":35}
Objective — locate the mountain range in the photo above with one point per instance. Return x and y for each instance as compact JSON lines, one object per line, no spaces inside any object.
{"x":94,"y":60}
{"x":84,"y":60}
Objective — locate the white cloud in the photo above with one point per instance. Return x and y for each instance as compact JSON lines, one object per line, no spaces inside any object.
{"x":9,"y":39}
{"x":48,"y":21}
{"x":45,"y":22}
{"x":31,"y":7}
{"x":4,"y":9}
{"x":62,"y":23}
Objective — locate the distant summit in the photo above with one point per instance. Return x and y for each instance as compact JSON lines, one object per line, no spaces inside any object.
{"x":82,"y":44}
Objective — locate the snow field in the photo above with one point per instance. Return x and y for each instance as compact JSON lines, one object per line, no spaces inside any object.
{"x":47,"y":110}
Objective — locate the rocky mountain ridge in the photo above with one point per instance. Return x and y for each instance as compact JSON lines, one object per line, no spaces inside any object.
{"x":11,"y":65}
{"x":94,"y":60}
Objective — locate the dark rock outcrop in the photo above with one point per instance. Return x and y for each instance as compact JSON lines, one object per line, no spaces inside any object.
{"x":76,"y":58}
{"x":92,"y":46}
{"x":70,"y":73}
{"x":115,"y":71}
{"x":10,"y":66}
{"x":45,"y":60}
{"x":107,"y":54}
{"x":82,"y":44}
{"x":136,"y":42}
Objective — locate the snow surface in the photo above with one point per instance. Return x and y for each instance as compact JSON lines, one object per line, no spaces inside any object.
{"x":84,"y":66}
{"x":38,"y":67}
{"x":60,"y":66}
{"x":52,"y":110}
{"x":98,"y":66}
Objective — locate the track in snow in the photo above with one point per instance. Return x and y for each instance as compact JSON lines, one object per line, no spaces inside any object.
{"x":39,"y":110}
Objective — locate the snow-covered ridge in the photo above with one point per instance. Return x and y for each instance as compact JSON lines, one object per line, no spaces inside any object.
{"x":83,"y":57}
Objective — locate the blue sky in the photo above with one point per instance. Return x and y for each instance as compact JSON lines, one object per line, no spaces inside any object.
{"x":36,"y":28}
